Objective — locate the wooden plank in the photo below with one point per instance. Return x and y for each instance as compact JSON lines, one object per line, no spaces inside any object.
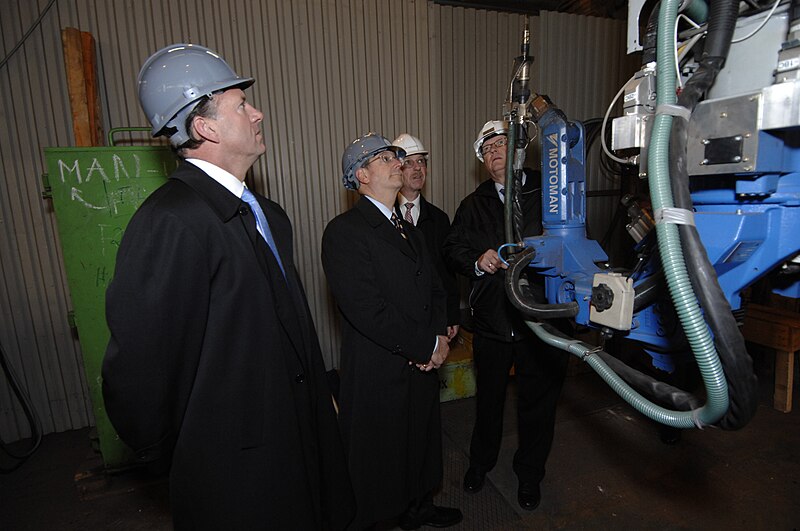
{"x":76,"y":86}
{"x":784,"y":372}
{"x":94,"y":114}
{"x":771,"y":327}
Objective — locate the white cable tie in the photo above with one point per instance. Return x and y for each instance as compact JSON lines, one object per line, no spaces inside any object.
{"x":675,"y":216}
{"x":672,"y":109}
{"x":696,"y":419}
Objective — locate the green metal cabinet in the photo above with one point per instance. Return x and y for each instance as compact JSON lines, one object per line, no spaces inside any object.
{"x":95,"y":191}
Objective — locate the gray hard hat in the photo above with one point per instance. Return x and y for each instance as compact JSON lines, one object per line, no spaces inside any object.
{"x":173,"y":81}
{"x":359,"y":151}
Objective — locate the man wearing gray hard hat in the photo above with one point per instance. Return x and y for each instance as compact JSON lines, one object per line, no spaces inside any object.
{"x":393,"y":340}
{"x":214,"y":368}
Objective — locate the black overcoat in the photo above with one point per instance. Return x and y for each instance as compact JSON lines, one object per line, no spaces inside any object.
{"x":434,"y":223}
{"x":392,"y":308}
{"x":479,"y":225}
{"x":214,"y":362}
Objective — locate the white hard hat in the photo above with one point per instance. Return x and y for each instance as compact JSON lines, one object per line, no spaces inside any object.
{"x":489,"y":129}
{"x":410,"y":144}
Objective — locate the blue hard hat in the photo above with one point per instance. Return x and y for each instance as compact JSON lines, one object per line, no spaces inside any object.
{"x":359,"y":151}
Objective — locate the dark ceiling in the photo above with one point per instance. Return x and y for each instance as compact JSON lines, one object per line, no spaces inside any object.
{"x":616,"y":9}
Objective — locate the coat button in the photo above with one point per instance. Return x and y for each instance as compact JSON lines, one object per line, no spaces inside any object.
{"x":419,"y":272}
{"x":242,"y":211}
{"x":425,"y":307}
{"x":300,"y":378}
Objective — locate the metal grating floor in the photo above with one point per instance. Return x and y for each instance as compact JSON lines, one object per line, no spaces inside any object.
{"x":487,"y":509}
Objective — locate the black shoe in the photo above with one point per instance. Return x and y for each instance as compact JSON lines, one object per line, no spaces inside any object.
{"x":529,"y":495}
{"x":473,"y":480}
{"x":435,"y":517}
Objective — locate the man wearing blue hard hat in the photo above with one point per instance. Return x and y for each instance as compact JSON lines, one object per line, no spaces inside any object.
{"x":393,"y":339}
{"x":214,"y":367}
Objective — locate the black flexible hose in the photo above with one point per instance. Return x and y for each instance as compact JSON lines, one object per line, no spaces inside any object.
{"x":517,"y":264}
{"x":651,"y":36}
{"x":736,"y":362}
{"x":648,"y":291}
{"x":30,"y":414}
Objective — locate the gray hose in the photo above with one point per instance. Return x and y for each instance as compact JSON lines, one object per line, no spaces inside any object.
{"x":586,"y":352}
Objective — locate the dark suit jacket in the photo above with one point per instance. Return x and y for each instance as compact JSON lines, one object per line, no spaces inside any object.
{"x":214,"y":362}
{"x":434,"y":225}
{"x":392,"y":308}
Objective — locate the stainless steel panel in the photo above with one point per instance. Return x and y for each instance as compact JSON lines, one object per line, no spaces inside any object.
{"x":712,"y":121}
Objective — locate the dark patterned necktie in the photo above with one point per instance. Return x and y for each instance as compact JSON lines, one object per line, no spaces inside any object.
{"x":399,"y":226}
{"x":408,"y":215}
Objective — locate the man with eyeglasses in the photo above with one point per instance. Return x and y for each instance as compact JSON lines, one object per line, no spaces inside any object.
{"x":500,"y":338}
{"x":412,"y":206}
{"x":393,"y":339}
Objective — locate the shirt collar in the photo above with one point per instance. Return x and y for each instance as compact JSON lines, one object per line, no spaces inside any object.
{"x":498,"y":186}
{"x":383,"y":208}
{"x":403,"y":200}
{"x":223,"y":177}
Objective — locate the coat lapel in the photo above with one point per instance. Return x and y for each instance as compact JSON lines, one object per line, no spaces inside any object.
{"x":228,"y":206}
{"x":284,"y":287}
{"x":384,"y":228}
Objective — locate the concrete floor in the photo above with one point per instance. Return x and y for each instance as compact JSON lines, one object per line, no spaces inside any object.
{"x":608,"y":470}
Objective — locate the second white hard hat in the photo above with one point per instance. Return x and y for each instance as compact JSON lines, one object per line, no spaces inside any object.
{"x":410,"y":144}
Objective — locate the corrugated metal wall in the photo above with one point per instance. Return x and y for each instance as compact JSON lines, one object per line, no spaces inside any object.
{"x":326,"y":71}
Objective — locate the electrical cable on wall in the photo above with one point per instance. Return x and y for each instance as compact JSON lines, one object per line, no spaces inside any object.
{"x":27,"y":33}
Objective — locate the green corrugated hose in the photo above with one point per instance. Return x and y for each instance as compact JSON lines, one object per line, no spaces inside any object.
{"x":669,"y":244}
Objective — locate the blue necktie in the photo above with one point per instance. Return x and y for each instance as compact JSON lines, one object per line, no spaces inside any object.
{"x":262,"y":224}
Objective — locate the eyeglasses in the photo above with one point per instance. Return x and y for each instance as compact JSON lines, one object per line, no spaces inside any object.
{"x":409,"y":163}
{"x":387,"y":157}
{"x":486,"y":148}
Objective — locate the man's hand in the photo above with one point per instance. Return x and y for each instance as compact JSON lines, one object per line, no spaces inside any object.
{"x":489,"y":262}
{"x":452,"y":331}
{"x":438,"y":357}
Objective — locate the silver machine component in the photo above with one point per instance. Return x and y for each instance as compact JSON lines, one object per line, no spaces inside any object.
{"x":632,"y":130}
{"x":641,"y":221}
{"x":638,"y":105}
{"x":726,"y":132}
{"x":789,"y":57}
{"x":723,"y":136}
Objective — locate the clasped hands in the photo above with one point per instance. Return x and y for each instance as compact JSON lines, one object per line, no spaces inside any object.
{"x":438,"y":357}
